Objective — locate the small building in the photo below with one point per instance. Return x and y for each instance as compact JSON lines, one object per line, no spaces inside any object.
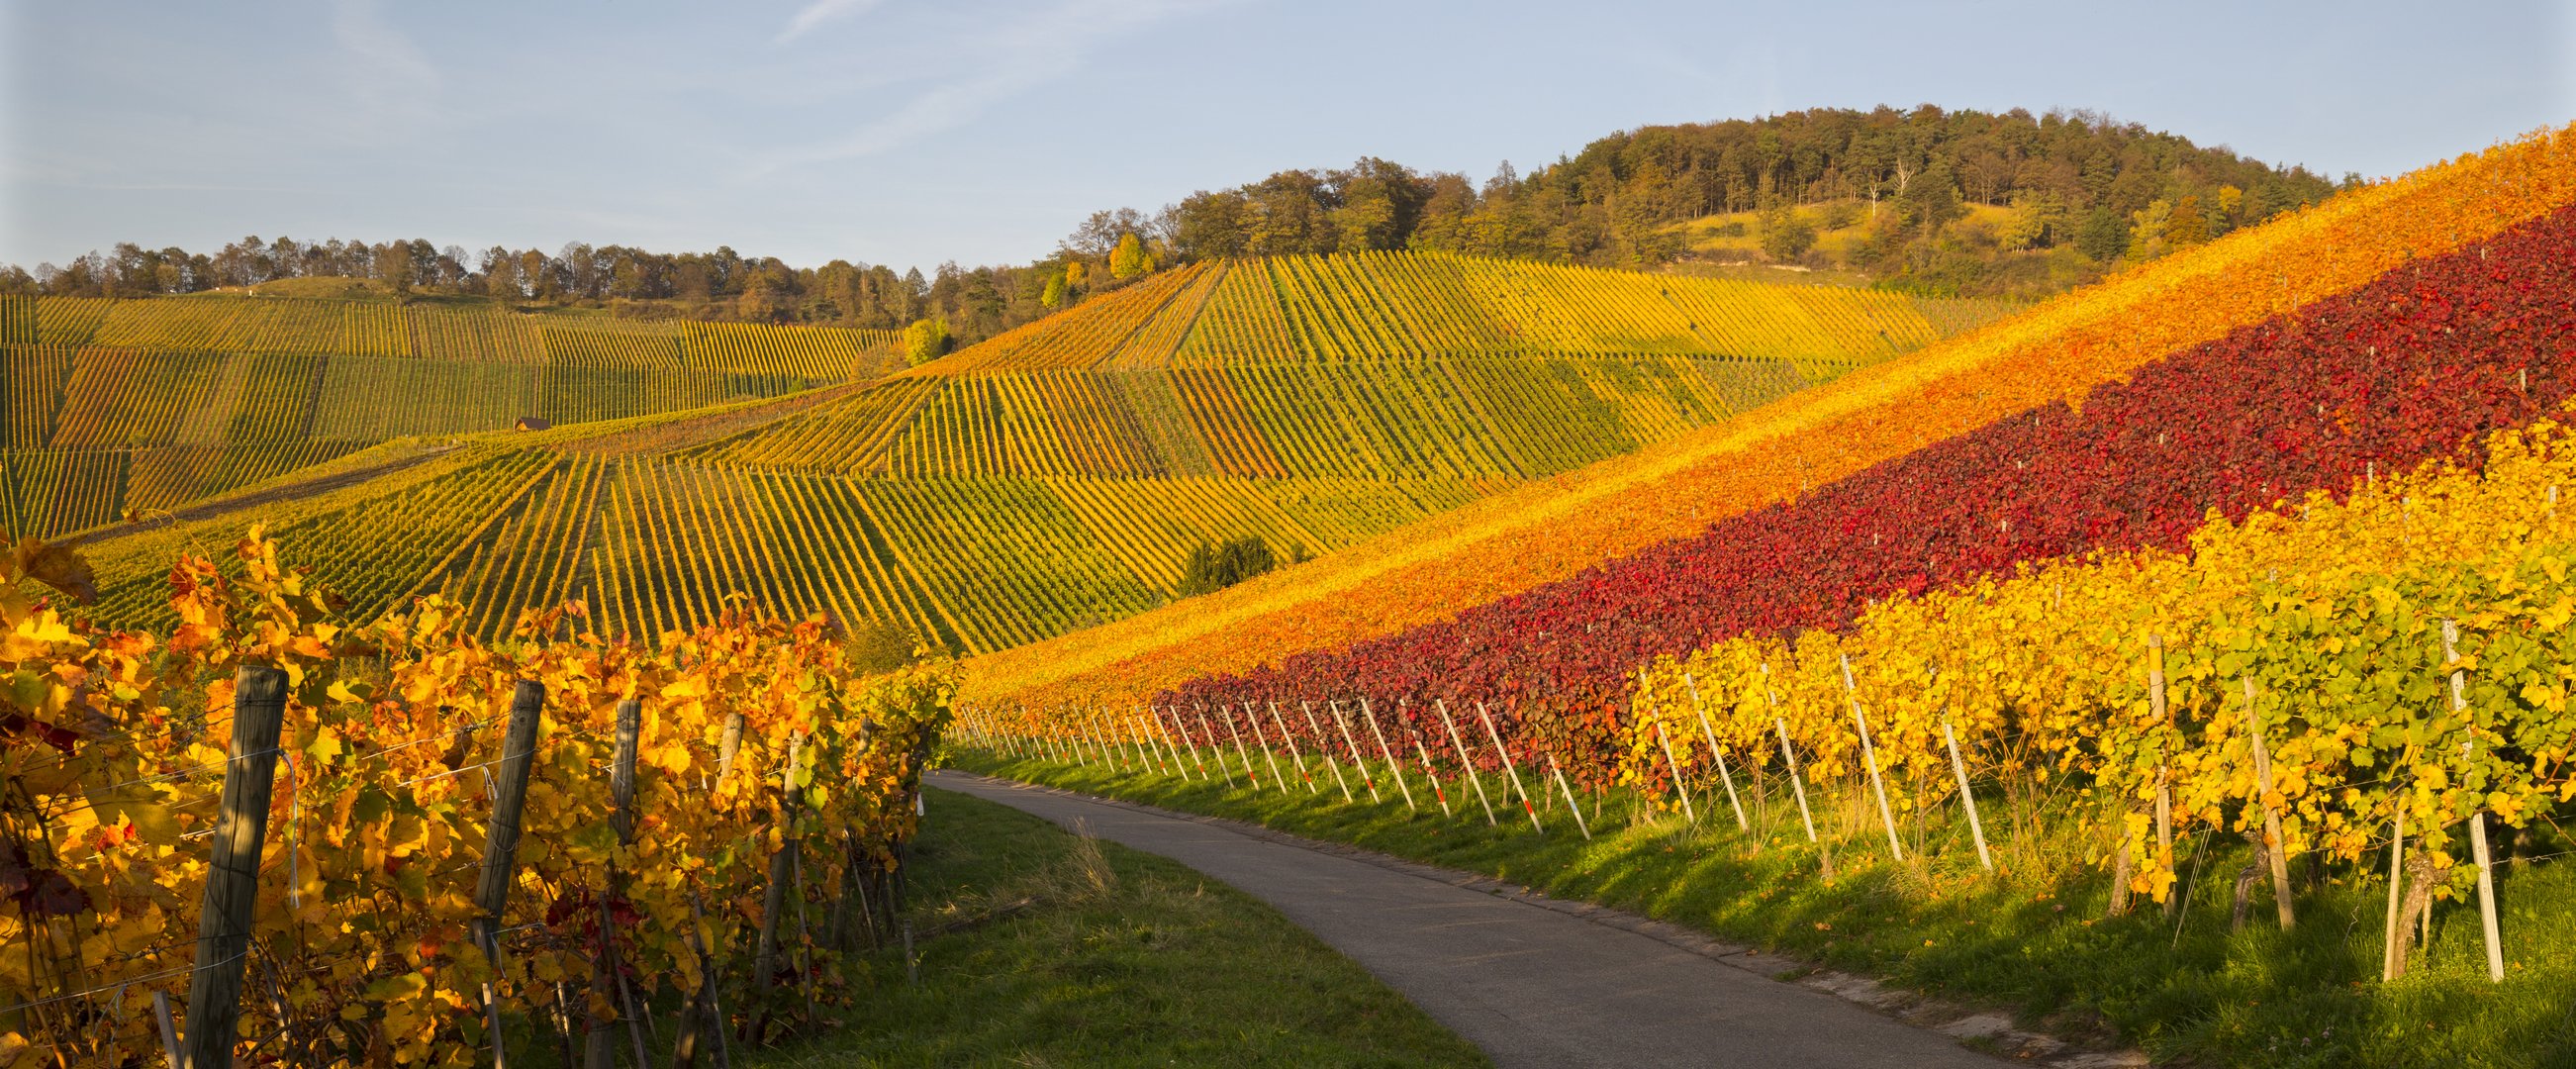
{"x":535,"y":423}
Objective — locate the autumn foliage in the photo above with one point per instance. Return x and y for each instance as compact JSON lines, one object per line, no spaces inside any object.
{"x":2405,"y":368}
{"x":2055,"y":354}
{"x":114,"y":748}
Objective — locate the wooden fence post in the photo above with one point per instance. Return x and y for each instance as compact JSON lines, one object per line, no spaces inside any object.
{"x":1869,"y":754}
{"x":225,"y":916}
{"x":1708,"y":732}
{"x":1383,"y":751}
{"x":1324,"y":746}
{"x":1467,"y":763}
{"x":2477,"y":820}
{"x":1508,"y":768}
{"x":2275,"y":848}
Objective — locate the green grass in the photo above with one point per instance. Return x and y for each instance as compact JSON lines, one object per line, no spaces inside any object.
{"x":1126,"y":959}
{"x":2189,"y":990}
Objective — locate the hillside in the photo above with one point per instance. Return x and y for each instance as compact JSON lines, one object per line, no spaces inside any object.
{"x":1058,"y":476}
{"x":1290,"y":630}
{"x":118,"y":406}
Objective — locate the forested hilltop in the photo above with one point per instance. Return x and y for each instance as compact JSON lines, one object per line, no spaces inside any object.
{"x":1959,"y":202}
{"x":1930,"y":201}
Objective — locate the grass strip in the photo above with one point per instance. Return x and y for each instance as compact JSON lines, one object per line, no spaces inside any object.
{"x":1057,"y":949}
{"x":2033,"y":941}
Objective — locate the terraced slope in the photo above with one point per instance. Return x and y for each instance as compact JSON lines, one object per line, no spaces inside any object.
{"x":1057,"y":477}
{"x":145,"y":405}
{"x":1318,"y":619}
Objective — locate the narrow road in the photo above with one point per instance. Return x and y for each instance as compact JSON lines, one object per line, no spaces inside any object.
{"x":1532,"y":986}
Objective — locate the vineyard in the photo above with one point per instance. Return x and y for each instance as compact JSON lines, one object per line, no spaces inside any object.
{"x":1057,"y":477}
{"x":2257,"y":551}
{"x":1758,"y":474}
{"x":118,"y":407}
{"x":407,"y":852}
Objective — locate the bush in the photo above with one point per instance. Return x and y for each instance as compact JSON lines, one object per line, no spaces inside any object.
{"x":1216,"y":566}
{"x":926,"y":340}
{"x":1786,"y":235}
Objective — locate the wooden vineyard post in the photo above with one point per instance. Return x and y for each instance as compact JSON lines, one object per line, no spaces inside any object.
{"x":1184,"y":739}
{"x":1101,"y":741}
{"x":1165,"y":754}
{"x":1324,"y":746}
{"x":232,"y":875}
{"x":704,"y":1011}
{"x":1869,"y":754}
{"x":2478,"y":820}
{"x":1679,"y":785}
{"x":1358,"y":764}
{"x":1294,"y":754}
{"x":2392,"y":953}
{"x":1240,"y":751}
{"x":2275,"y":849}
{"x":1570,"y":804}
{"x":1467,"y":763}
{"x":1429,"y":774}
{"x":1708,"y":732}
{"x":782,"y":866}
{"x":1976,"y":828}
{"x":501,"y":838}
{"x":1508,"y":768}
{"x":1267,"y":754}
{"x":1128,"y":746}
{"x":606,"y":984}
{"x":1210,"y":729}
{"x":1392,"y":766}
{"x":1152,"y":747}
{"x":2164,"y":775}
{"x":731,"y":745}
{"x":1798,"y":787}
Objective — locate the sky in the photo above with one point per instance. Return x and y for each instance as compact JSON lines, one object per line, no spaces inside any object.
{"x":909,"y":133}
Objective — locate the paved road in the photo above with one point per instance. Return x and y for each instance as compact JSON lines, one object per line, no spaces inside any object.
{"x":1531,"y":985}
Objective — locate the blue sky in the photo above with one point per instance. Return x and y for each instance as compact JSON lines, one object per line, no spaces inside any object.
{"x":907,"y":133}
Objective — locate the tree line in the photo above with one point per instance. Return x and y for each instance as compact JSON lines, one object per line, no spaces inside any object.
{"x":2100,"y":190}
{"x":2069,"y":194}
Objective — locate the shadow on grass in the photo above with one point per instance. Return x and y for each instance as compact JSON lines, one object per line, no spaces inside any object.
{"x":1120,"y":958}
{"x":2183,"y":988}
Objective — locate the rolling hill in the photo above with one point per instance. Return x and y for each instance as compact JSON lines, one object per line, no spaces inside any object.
{"x":143,"y":405}
{"x":1057,"y":476}
{"x":1351,"y":617}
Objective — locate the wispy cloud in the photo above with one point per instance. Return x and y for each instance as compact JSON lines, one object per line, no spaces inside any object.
{"x":1022,"y":55}
{"x":392,"y":76}
{"x":820,"y":12}
{"x":360,"y":27}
